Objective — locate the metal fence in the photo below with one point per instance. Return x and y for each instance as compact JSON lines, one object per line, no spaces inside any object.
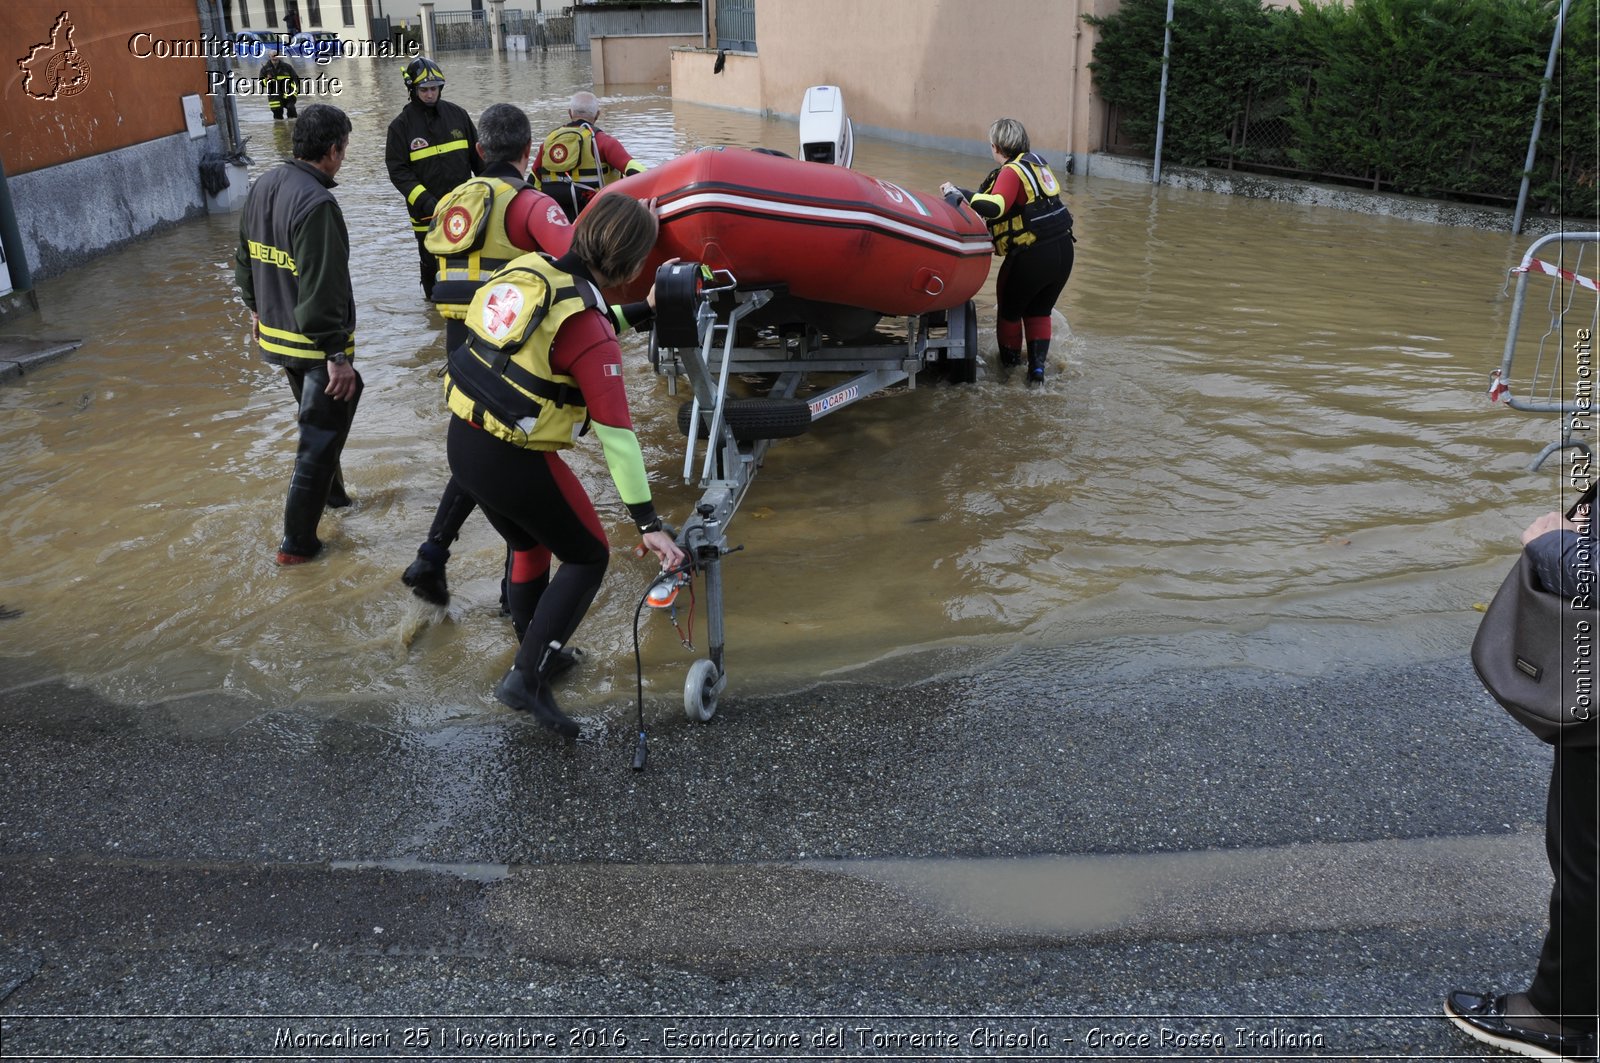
{"x":466,"y":30}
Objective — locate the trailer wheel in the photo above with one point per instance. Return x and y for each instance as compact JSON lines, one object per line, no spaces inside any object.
{"x":965,"y":370}
{"x":700,"y":691}
{"x":753,"y":419}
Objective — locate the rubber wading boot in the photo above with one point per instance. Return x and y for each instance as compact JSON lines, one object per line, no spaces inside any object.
{"x":1037,"y":352}
{"x":425,"y":575}
{"x":308,"y":490}
{"x":514,"y":691}
{"x":1010,"y":357}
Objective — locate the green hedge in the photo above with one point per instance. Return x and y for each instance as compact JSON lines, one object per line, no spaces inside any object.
{"x":1428,"y":97}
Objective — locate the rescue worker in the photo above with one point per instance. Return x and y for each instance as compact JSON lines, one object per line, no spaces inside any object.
{"x":1021,"y":202}
{"x":431,"y":148}
{"x":293,"y":270}
{"x":282,"y":86}
{"x":480,"y":227}
{"x":542,"y":364}
{"x":579,"y":158}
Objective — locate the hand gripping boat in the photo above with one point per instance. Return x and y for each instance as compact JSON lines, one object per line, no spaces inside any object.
{"x":817,"y":253}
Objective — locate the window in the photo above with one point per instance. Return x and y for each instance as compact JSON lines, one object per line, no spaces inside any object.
{"x":244,"y":14}
{"x":347,"y":8}
{"x":272,"y":13}
{"x":313,"y":13}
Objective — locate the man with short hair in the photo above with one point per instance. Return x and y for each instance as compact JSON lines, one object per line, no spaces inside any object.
{"x":431,"y":148}
{"x":293,"y":271}
{"x":579,"y":158}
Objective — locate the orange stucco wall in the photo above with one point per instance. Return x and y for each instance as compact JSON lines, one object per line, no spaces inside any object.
{"x":937,"y":68}
{"x":84,"y":117}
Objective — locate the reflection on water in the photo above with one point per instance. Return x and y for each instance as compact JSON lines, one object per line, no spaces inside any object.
{"x":1262,"y":415}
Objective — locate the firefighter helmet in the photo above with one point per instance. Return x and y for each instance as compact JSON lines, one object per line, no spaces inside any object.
{"x":423,"y":73}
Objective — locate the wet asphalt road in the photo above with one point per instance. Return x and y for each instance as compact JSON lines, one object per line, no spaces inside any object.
{"x":1020,"y":850}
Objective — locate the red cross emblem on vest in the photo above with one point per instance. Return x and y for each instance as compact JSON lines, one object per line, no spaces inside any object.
{"x":500,"y":310}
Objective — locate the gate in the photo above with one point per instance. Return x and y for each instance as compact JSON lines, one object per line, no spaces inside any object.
{"x":736,"y":25}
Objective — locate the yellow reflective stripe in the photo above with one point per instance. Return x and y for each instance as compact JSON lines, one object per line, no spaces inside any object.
{"x":438,"y":149}
{"x":294,"y":344}
{"x":634,"y":166}
{"x":415,"y":194}
{"x":272,"y":256}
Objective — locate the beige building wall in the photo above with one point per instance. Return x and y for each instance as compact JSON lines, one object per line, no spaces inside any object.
{"x":934,"y":71}
{"x":635,"y":60}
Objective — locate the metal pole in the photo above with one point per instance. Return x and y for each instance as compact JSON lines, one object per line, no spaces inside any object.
{"x":1161,"y":111}
{"x":1538,"y":120}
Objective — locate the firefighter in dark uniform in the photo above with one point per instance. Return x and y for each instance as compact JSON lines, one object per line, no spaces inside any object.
{"x":282,"y":86}
{"x":293,"y":270}
{"x":1032,"y":229}
{"x":579,"y":158}
{"x":478,"y":228}
{"x":541,"y":367}
{"x":432,"y":147}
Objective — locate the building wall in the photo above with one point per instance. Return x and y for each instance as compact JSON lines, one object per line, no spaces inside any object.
{"x":87,"y":172}
{"x":61,"y":107}
{"x":924,"y":71}
{"x":635,"y":60}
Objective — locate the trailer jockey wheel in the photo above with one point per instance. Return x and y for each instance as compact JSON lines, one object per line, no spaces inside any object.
{"x":677,"y":302}
{"x":700,"y":691}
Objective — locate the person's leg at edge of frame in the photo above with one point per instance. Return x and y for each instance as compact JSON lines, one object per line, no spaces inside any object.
{"x":1555,"y":1017}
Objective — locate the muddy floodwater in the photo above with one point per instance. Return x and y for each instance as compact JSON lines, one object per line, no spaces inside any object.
{"x":1263,"y":419}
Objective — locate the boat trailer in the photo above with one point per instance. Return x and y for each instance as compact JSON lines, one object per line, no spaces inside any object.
{"x":701,"y":317}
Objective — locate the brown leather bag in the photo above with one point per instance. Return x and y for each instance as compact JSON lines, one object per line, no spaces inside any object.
{"x":1538,"y":656}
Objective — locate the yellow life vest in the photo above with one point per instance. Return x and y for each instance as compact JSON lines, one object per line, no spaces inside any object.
{"x":1039,"y":217}
{"x":569,"y":155}
{"x":500,"y":379}
{"x":468,"y":234}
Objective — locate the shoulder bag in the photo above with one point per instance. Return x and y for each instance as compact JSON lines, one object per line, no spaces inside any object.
{"x":1537,"y":656}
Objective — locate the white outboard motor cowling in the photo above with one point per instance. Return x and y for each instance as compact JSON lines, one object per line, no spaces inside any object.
{"x":825,"y":133}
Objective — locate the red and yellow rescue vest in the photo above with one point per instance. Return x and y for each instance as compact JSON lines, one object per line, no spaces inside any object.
{"x":501,"y":379}
{"x":468,"y":234}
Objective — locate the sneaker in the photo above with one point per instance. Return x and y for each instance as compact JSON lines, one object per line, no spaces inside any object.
{"x":513,"y":691}
{"x":425,"y":577}
{"x":1511,"y":1024}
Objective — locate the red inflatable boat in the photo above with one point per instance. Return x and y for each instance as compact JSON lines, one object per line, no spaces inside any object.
{"x":825,"y":233}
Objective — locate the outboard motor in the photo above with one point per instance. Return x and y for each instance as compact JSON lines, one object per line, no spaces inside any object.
{"x":825,"y":133}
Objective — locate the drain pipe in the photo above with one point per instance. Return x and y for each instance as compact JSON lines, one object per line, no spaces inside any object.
{"x":1161,"y":110}
{"x":1538,"y":121}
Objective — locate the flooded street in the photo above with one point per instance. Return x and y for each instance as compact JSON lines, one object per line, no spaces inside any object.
{"x":1266,"y":418}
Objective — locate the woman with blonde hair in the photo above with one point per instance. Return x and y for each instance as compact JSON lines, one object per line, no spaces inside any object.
{"x":1032,"y":229}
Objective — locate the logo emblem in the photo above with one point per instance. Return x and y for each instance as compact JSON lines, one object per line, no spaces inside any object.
{"x":55,"y":69}
{"x":500,"y":310}
{"x":457,"y":222}
{"x":419,"y":143}
{"x":554,"y":215}
{"x":558,"y":153}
